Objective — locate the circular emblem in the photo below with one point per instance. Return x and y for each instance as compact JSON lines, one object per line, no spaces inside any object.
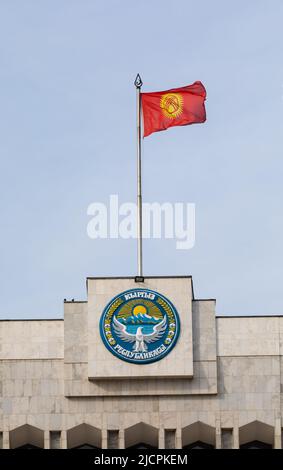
{"x":171,"y":105}
{"x":140,"y":326}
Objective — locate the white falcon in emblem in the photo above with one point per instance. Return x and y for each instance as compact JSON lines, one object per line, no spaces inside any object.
{"x":139,"y":338}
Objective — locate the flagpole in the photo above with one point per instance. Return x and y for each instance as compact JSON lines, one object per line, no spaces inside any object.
{"x":138,"y":85}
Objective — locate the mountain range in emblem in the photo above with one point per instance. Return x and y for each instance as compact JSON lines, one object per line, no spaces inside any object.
{"x":141,"y":318}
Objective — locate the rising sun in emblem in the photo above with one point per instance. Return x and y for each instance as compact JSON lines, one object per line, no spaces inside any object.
{"x":139,"y":310}
{"x":171,"y":105}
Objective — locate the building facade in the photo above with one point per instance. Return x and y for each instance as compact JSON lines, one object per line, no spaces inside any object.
{"x":218,"y":387}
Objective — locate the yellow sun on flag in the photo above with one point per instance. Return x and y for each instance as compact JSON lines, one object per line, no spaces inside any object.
{"x":171,"y":105}
{"x":139,"y":309}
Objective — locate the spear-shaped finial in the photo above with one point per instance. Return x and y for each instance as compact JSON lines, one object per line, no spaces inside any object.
{"x":138,"y":81}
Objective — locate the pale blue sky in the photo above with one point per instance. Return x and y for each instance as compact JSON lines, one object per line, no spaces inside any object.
{"x":67,"y":120}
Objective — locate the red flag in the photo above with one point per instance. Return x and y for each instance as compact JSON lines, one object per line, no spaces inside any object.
{"x":176,"y":107}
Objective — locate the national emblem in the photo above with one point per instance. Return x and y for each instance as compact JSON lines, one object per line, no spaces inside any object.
{"x":140,"y":326}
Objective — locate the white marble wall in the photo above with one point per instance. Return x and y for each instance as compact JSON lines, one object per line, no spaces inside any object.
{"x":44,"y":383}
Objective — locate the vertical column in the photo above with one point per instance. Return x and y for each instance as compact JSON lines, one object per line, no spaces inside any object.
{"x":121,"y":439}
{"x":217,"y":434}
{"x":63,"y":439}
{"x":178,"y":438}
{"x":46,"y":440}
{"x":236,"y":439}
{"x":6,"y":440}
{"x":161,"y":439}
{"x":104,"y":439}
{"x":277,"y":434}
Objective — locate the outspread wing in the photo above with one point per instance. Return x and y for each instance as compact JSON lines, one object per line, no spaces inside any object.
{"x":121,"y":331}
{"x":158,"y":331}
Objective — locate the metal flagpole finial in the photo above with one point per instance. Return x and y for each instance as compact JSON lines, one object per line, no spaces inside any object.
{"x":138,"y":81}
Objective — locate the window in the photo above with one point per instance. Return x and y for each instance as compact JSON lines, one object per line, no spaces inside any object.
{"x":55,"y":439}
{"x":170,"y":438}
{"x":113,"y":439}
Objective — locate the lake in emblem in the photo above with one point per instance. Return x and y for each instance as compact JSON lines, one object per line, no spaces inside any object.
{"x":140,"y":326}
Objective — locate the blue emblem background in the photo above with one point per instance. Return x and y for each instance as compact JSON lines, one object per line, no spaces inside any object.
{"x":116,"y":307}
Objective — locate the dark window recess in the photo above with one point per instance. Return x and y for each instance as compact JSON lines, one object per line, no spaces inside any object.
{"x":256,"y":445}
{"x":142,"y":445}
{"x":199,"y":445}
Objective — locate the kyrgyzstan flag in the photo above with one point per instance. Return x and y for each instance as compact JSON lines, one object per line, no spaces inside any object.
{"x":176,"y":107}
